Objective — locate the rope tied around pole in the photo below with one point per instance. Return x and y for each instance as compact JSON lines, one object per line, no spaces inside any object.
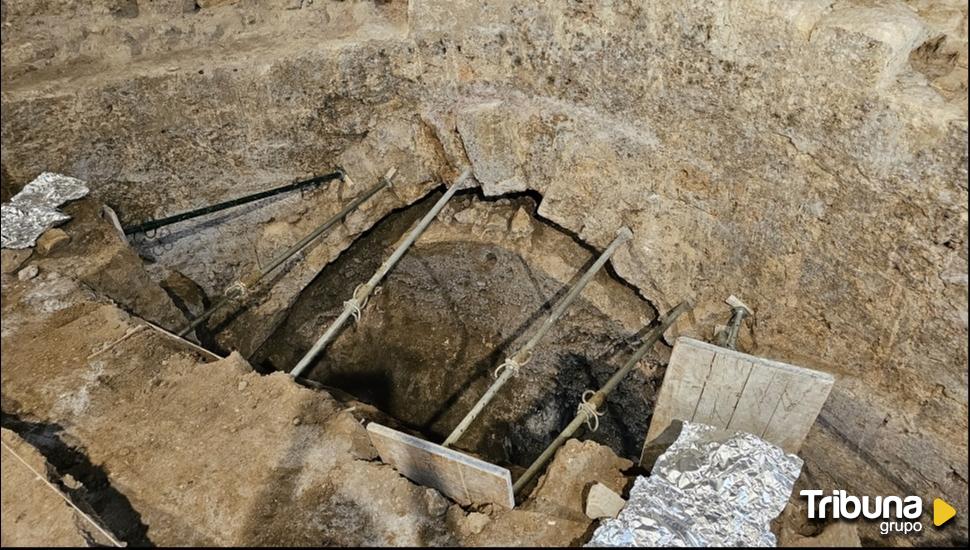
{"x":237,"y":289}
{"x":512,"y":365}
{"x":589,"y":411}
{"x":356,"y":306}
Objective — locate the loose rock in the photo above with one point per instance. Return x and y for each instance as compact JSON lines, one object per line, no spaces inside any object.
{"x":51,"y":240}
{"x":28,"y":272}
{"x":437,"y":504}
{"x":475,"y":522}
{"x":602,"y":502}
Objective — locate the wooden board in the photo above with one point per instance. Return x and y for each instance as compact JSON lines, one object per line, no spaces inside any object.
{"x":736,"y":391}
{"x":464,"y":479}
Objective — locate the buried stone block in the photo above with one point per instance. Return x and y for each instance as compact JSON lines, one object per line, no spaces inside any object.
{"x":28,"y":272}
{"x":577,"y":466}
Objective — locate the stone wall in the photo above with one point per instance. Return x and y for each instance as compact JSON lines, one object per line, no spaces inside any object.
{"x":809,"y":157}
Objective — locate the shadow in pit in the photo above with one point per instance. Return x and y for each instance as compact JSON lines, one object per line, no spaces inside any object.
{"x":96,"y":496}
{"x":622,"y":420}
{"x":485,"y":367}
{"x":615,"y":426}
{"x":371,"y":368}
{"x":370,"y":387}
{"x":624,"y":426}
{"x":386,"y":232}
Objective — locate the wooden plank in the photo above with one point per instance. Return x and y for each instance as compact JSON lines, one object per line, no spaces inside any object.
{"x":733,"y":390}
{"x":684,"y":381}
{"x":759,"y":399}
{"x":799,"y":406}
{"x":464,"y":479}
{"x":719,"y":399}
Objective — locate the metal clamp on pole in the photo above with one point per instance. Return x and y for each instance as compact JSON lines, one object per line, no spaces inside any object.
{"x":353,"y":306}
{"x":511,"y":365}
{"x":738,"y":312}
{"x":589,"y":409}
{"x":727,"y":336}
{"x":243,"y":287}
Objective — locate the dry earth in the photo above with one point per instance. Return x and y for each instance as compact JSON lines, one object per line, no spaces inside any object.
{"x":810,"y":157}
{"x":167,"y":445}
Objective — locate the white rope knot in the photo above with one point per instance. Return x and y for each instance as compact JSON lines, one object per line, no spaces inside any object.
{"x":355,"y":305}
{"x":586,"y":408}
{"x":236,"y":289}
{"x":513,"y":366}
{"x":510,"y":364}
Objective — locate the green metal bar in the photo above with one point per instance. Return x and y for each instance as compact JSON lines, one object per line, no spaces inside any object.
{"x":353,"y":306}
{"x":588,"y":408}
{"x":176,"y":218}
{"x":522,"y":356}
{"x":242,"y":286}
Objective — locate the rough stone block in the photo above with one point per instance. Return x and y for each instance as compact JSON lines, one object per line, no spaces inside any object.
{"x":602,"y":502}
{"x":51,"y":240}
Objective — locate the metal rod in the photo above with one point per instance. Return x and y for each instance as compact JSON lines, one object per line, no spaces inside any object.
{"x":598,"y":398}
{"x":734,"y":327}
{"x":176,"y":218}
{"x":240,"y":287}
{"x":521,"y":357}
{"x":728,"y":336}
{"x":353,"y":306}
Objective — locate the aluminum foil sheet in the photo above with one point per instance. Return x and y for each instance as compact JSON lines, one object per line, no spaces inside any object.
{"x":34,"y":209}
{"x":710,"y":488}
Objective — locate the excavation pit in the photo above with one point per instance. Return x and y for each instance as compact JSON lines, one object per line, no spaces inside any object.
{"x":468,"y":294}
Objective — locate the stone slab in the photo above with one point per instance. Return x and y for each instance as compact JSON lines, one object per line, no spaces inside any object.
{"x":464,"y":479}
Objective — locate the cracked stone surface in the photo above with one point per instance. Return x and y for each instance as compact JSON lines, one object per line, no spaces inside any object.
{"x":809,"y":157}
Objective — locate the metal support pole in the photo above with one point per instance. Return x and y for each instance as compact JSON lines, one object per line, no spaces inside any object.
{"x":155,"y":224}
{"x":241,"y":287}
{"x":734,"y":327}
{"x":511,"y":365}
{"x":739,"y":311}
{"x":353,"y":306}
{"x":588,"y":409}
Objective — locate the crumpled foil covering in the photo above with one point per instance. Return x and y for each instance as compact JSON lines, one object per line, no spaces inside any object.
{"x":34,"y":209}
{"x":710,"y":488}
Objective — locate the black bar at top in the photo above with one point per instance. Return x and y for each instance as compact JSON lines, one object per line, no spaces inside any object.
{"x":155,"y":224}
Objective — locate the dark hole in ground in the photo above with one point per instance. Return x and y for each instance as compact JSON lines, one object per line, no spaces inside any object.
{"x":449,"y":313}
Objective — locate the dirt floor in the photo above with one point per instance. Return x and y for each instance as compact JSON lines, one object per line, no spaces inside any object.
{"x":165,"y":444}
